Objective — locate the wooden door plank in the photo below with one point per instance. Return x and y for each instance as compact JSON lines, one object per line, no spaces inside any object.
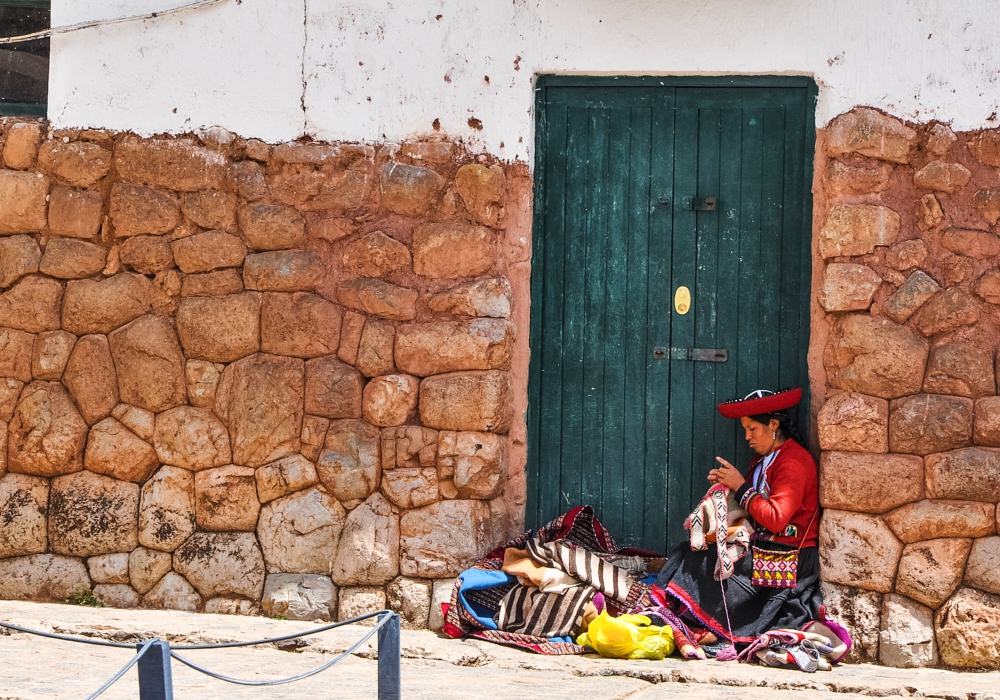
{"x":772,"y":218}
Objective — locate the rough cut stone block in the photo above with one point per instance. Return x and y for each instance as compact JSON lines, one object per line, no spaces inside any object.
{"x":285,"y":476}
{"x":985,"y":146}
{"x":91,"y":514}
{"x":453,"y":250}
{"x":100,"y":306}
{"x":271,"y":227}
{"x":946,"y":311}
{"x":927,"y":520}
{"x":378,"y":298}
{"x":928,"y":212}
{"x":411,"y":487}
{"x":355,"y":602}
{"x":137,"y":210}
{"x":962,"y":368}
{"x":109,"y":568}
{"x":32,"y":305}
{"x":349,"y":466}
{"x":49,"y":354}
{"x":22,"y":202}
{"x":907,"y":636}
{"x":299,"y":597}
{"x":173,"y":592}
{"x":15,"y":354}
{"x":211,"y":250}
{"x":74,"y":213}
{"x":78,"y":163}
{"x":226,"y":499}
{"x":854,"y":423}
{"x":116,"y":595}
{"x":46,"y":434}
{"x":71,"y":259}
{"x":914,"y":293}
{"x":42,"y":577}
{"x":191,"y":438}
{"x":21,"y":147}
{"x":926,"y":423}
{"x":843,"y":179}
{"x":875,"y":356}
{"x":313,"y":436}
{"x":114,"y":450}
{"x":91,"y":379}
{"x":987,"y":287}
{"x":350,"y":336}
{"x":369,"y":545}
{"x":930,"y":571}
{"x":376,"y":255}
{"x":333,"y":389}
{"x":301,"y":533}
{"x":971,"y":474}
{"x":211,"y":209}
{"x":146,"y":567}
{"x":490,"y":298}
{"x":971,"y":242}
{"x":856,"y":481}
{"x":283,"y":271}
{"x":180,"y":164}
{"x":848,"y":287}
{"x":940,"y":139}
{"x":223,"y":563}
{"x":858,"y":550}
{"x":982,"y":570}
{"x":10,"y":390}
{"x":248,"y":179}
{"x":146,"y":254}
{"x":212,"y":284}
{"x":19,"y":256}
{"x":220,"y":329}
{"x":858,"y":610}
{"x":409,"y":190}
{"x":986,"y":428}
{"x":467,"y":401}
{"x":411,"y":598}
{"x":444,"y":538}
{"x":483,"y":190}
{"x":870,"y":133}
{"x":967,"y":630}
{"x":424,"y":349}
{"x":856,"y":229}
{"x":942,"y":177}
{"x":202,"y":381}
{"x":375,"y":355}
{"x":24,"y":502}
{"x":150,"y":364}
{"x":390,"y":400}
{"x":138,"y":420}
{"x":986,"y":202}
{"x":166,"y":512}
{"x":475,"y":462}
{"x":231,"y":606}
{"x":300,"y":325}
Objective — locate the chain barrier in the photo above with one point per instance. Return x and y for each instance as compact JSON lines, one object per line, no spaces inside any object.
{"x":153,"y":657}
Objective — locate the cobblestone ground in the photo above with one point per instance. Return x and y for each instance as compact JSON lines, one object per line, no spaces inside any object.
{"x":32,"y":668}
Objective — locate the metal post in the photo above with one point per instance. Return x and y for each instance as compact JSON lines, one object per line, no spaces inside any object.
{"x":155,"y":682}
{"x":388,"y":660}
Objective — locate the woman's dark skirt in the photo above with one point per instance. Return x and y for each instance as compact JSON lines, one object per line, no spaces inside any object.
{"x":688,"y":578}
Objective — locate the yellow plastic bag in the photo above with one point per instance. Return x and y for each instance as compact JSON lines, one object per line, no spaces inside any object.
{"x":627,"y":637}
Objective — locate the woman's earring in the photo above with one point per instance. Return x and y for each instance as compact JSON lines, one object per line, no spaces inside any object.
{"x":774,"y":434}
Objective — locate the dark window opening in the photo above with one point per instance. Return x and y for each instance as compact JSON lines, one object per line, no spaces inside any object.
{"x":24,"y":67}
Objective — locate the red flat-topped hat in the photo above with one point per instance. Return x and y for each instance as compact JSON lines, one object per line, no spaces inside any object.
{"x":760,"y":401}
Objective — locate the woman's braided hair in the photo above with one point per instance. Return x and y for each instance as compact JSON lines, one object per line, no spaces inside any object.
{"x":786,"y":423}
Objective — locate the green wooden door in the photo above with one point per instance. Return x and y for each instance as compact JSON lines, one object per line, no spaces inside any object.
{"x":626,"y":172}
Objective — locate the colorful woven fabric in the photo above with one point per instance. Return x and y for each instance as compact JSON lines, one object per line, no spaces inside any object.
{"x":774,"y":569}
{"x":715,"y":513}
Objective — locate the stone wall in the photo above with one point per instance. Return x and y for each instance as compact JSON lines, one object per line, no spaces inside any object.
{"x":236,"y":376}
{"x":907,"y":314}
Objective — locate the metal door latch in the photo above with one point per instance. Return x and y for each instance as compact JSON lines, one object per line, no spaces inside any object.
{"x":692,"y":354}
{"x":703,"y":203}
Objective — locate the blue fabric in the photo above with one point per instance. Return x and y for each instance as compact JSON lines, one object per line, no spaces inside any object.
{"x":477,"y":580}
{"x":650,"y":579}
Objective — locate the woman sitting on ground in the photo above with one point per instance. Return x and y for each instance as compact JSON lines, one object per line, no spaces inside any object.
{"x":780,"y":495}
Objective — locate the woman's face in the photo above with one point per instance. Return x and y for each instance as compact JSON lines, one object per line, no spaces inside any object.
{"x":758,"y":435}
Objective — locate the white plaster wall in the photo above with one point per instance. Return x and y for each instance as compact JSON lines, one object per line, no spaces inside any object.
{"x":375,"y":70}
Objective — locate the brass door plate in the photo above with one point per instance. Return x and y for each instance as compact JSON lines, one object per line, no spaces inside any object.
{"x":682,"y":300}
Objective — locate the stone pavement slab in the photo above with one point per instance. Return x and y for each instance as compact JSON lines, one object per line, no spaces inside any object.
{"x":433,"y":666}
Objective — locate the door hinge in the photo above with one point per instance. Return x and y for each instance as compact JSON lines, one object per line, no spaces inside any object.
{"x":699,"y":354}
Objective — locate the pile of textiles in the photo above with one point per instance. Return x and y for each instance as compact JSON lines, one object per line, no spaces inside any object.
{"x":542,"y":590}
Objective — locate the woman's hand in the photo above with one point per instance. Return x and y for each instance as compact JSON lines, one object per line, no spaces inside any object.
{"x":726,"y":474}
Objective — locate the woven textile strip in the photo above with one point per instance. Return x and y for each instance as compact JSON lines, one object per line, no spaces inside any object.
{"x":773,"y":569}
{"x":611,"y":580}
{"x":526,"y":610}
{"x":539,"y":645}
